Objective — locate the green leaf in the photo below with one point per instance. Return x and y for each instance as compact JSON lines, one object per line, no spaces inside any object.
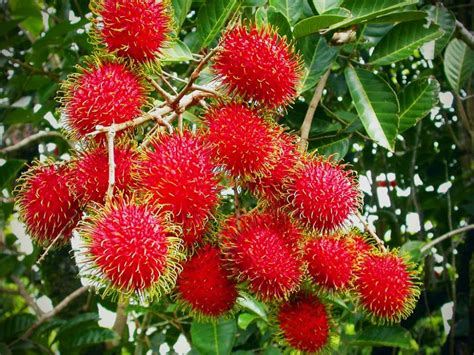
{"x":8,"y":263}
{"x":178,"y":53}
{"x":458,"y":63}
{"x":181,"y":9}
{"x":212,"y":17}
{"x":365,"y":10}
{"x":337,"y":149}
{"x":315,"y":23}
{"x":89,"y":337}
{"x":318,"y":56}
{"x":277,"y":19}
{"x":15,"y":325}
{"x":250,"y":303}
{"x":392,"y":336}
{"x":78,"y":320}
{"x":376,"y":104}
{"x":416,"y":101}
{"x":9,"y":171}
{"x":245,"y":319}
{"x":293,"y":10}
{"x":412,"y":249}
{"x":400,"y":16}
{"x":446,"y":20}
{"x":325,"y":5}
{"x":400,"y":42}
{"x":215,"y":337}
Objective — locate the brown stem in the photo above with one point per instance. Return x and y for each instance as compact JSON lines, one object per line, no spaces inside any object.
{"x":30,"y":139}
{"x":445,"y":236}
{"x":374,"y":235}
{"x":24,"y":293}
{"x":464,"y":34}
{"x":313,"y":105}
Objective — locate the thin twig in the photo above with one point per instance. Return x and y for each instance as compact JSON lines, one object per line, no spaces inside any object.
{"x":374,"y":235}
{"x":30,"y":139}
{"x":50,"y":246}
{"x":169,"y":85}
{"x":63,"y":304}
{"x":464,"y":34}
{"x":195,"y":74}
{"x":110,"y":149}
{"x":168,"y":98}
{"x":27,"y":297}
{"x":445,"y":236}
{"x":313,"y":105}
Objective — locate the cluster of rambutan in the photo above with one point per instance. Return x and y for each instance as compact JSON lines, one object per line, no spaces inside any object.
{"x":155,"y":234}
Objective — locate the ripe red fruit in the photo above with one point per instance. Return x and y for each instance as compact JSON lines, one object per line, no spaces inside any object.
{"x":330,"y":262}
{"x":322,"y":194}
{"x":359,"y":244}
{"x":90,"y":172}
{"x":131,"y":247}
{"x":263,"y":250}
{"x":387,"y":286}
{"x":243,"y":142}
{"x":304,"y":323}
{"x":46,"y":204}
{"x":270,"y":186}
{"x":204,"y":284}
{"x":258,"y":65}
{"x":101,"y":95}
{"x":134,"y":28}
{"x":178,"y":172}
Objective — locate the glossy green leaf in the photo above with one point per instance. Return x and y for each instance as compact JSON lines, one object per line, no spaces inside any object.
{"x":446,"y":20}
{"x":181,"y":9}
{"x":400,"y":42}
{"x":89,"y":337}
{"x":412,"y":250}
{"x":213,"y":338}
{"x":293,"y":10}
{"x":15,"y":325}
{"x":212,"y":17}
{"x":458,"y":63}
{"x":365,"y":10}
{"x":376,"y":104}
{"x":248,"y":302}
{"x":416,"y":101}
{"x":245,"y":319}
{"x":400,"y":16}
{"x":390,"y":336}
{"x":9,"y":171}
{"x":318,"y":57}
{"x":315,"y":24}
{"x":277,"y":19}
{"x":179,"y":52}
{"x":325,"y":5}
{"x":337,"y":149}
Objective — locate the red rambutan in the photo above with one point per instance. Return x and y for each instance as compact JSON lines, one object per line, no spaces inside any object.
{"x":90,"y":172}
{"x":387,"y":286}
{"x":330,"y":262}
{"x":204,"y":284}
{"x":131,"y":247}
{"x":178,"y":173}
{"x":359,"y":244}
{"x":101,"y":95}
{"x":263,"y":250}
{"x":322,"y":195}
{"x":243,"y":142}
{"x":137,"y":29}
{"x":270,"y":185}
{"x":258,"y":65}
{"x":46,"y":204}
{"x":304,"y":323}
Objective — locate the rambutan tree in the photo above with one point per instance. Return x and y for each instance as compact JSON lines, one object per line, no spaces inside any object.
{"x":236,"y":177}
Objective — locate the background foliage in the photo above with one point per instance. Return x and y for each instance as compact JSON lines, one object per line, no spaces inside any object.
{"x":380,"y":112}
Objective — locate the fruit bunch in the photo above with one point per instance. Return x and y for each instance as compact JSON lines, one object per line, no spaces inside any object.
{"x":147,"y":203}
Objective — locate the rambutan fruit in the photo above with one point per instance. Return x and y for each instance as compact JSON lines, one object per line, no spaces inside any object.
{"x":136,"y":29}
{"x":330,"y":262}
{"x":270,"y":185}
{"x":259,"y":65}
{"x":243,"y":142}
{"x":322,"y":194}
{"x":358,"y":244}
{"x":204,"y":285}
{"x":263,"y":250}
{"x":90,"y":172}
{"x":304,"y":324}
{"x":177,"y":171}
{"x":131,"y":248}
{"x":46,"y":204}
{"x":387,"y":286}
{"x":102,"y":94}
